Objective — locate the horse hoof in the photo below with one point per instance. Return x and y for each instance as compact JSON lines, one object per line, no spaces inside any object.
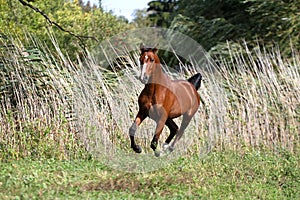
{"x":157,"y":153}
{"x":153,"y":145}
{"x":171,"y":148}
{"x":165,"y":146}
{"x":137,"y":149}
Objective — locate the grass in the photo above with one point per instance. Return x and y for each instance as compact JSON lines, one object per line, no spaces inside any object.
{"x":220,"y":175}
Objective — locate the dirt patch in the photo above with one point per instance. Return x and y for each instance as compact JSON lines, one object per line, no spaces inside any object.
{"x":113,"y":184}
{"x":134,"y":183}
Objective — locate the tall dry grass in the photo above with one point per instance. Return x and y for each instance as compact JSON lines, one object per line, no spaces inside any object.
{"x":262,"y":99}
{"x":36,"y":117}
{"x":54,"y":107}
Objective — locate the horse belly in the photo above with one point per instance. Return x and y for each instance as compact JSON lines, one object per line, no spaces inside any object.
{"x":178,"y":109}
{"x":174,"y":114}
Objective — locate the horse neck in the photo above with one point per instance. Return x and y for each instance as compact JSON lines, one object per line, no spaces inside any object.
{"x":157,"y":81}
{"x":159,"y":77}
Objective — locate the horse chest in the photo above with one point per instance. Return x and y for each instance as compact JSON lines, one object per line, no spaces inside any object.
{"x":149,"y":101}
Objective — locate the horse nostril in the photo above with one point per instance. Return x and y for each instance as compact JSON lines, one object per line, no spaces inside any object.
{"x":144,"y":79}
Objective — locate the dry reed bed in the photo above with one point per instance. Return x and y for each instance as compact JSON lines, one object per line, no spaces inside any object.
{"x":50,"y":105}
{"x":262,"y":99}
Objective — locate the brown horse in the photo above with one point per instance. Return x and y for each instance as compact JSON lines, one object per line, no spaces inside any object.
{"x":164,"y":99}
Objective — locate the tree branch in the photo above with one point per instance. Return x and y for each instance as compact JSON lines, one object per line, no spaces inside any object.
{"x":80,"y":37}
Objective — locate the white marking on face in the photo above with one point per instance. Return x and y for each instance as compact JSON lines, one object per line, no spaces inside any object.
{"x":144,"y":67}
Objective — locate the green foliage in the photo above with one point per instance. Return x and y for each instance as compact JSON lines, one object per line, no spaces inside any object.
{"x":213,"y":23}
{"x":160,"y":12}
{"x":71,"y":15}
{"x":275,"y":21}
{"x":208,"y":33}
{"x":141,"y":19}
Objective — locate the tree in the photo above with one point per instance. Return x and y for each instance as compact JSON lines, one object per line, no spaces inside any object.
{"x":276,"y":21}
{"x":141,"y":18}
{"x":15,"y":18}
{"x":160,"y":12}
{"x":214,"y":22}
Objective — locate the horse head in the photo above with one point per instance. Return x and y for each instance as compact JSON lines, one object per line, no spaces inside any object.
{"x":149,"y":62}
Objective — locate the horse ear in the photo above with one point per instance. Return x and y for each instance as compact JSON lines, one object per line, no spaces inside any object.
{"x":155,"y":49}
{"x":142,"y":46}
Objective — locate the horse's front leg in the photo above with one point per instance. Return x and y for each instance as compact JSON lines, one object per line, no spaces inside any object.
{"x":138,"y":120}
{"x":159,"y":128}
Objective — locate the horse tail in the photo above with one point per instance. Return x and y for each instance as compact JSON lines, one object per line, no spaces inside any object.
{"x":196,"y":80}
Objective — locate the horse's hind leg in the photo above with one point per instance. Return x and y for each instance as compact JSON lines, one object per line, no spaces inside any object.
{"x":173,"y":130}
{"x":185,"y":122}
{"x":138,"y":120}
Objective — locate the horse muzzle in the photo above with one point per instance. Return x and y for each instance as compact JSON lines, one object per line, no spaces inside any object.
{"x":144,"y":79}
